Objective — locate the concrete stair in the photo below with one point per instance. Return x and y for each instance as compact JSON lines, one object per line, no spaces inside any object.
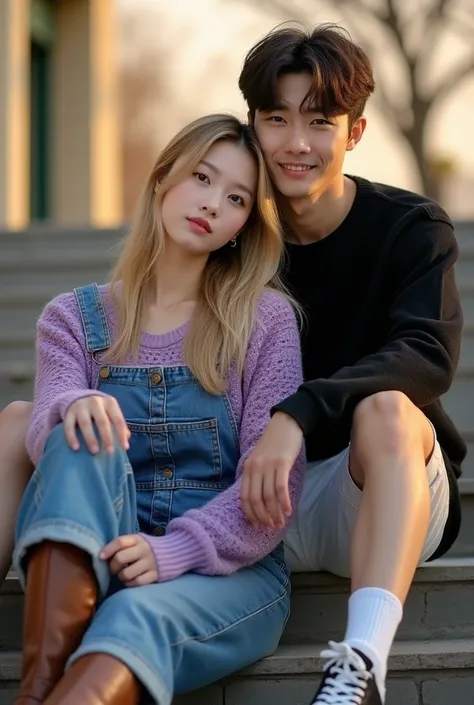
{"x":432,"y":662}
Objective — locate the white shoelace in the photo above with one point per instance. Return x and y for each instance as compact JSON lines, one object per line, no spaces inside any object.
{"x":349,"y":676}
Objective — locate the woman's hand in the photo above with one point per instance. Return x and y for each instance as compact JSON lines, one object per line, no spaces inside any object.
{"x":131,"y":560}
{"x":105,"y":413}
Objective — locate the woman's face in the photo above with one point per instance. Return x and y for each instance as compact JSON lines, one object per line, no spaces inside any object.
{"x":210,"y":206}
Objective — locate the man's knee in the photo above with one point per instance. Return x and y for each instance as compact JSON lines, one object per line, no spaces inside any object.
{"x":385,"y":420}
{"x":391,"y":423}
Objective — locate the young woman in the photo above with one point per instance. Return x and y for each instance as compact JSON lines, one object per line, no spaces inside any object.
{"x":141,"y":571}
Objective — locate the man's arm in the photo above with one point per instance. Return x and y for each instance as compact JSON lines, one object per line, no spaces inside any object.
{"x":423,"y":342}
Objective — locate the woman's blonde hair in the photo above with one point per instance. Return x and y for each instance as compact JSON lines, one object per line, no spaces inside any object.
{"x":233,"y":279}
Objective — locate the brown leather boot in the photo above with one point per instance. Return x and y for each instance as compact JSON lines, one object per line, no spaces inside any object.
{"x":97,"y":679}
{"x":60,"y":599}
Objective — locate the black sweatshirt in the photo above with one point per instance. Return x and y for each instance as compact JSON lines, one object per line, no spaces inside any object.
{"x":382,"y":313}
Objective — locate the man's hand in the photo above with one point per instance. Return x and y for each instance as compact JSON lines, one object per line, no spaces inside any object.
{"x":131,"y":559}
{"x":264,"y":493}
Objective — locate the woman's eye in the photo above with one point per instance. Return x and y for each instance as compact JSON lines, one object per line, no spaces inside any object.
{"x":202,"y":177}
{"x":276,"y":118}
{"x":237,"y":199}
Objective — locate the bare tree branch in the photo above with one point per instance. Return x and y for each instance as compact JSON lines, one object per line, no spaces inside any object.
{"x":433,"y":25}
{"x":360,"y":5}
{"x":281,"y":8}
{"x":437,"y":10}
{"x":393,"y":22}
{"x":454,"y":79}
{"x":461,"y":19}
{"x":389,"y":108}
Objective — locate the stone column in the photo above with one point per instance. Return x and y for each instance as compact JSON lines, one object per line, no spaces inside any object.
{"x":86,"y":166}
{"x":14,"y":113}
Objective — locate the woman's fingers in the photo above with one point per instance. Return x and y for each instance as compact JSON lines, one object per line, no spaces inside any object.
{"x":119,"y":423}
{"x":70,"y":430}
{"x":84,"y":421}
{"x":106,"y":414}
{"x":104,"y":426}
{"x":123,"y":558}
{"x":151,"y":576}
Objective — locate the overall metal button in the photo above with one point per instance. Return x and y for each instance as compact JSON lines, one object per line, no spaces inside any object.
{"x":167,"y":473}
{"x":156,"y":378}
{"x":159,"y":531}
{"x":104,"y":373}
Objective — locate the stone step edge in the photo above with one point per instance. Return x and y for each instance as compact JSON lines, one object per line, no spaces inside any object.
{"x":443,"y":570}
{"x":299,"y":660}
{"x":31,"y":294}
{"x":66,"y":261}
{"x":293,"y":660}
{"x":51,"y":229}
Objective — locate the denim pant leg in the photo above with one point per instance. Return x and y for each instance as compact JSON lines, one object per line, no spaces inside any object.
{"x":186,"y":633}
{"x":79,"y":498}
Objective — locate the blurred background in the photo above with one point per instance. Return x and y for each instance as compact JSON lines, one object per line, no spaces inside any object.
{"x":90,"y":90}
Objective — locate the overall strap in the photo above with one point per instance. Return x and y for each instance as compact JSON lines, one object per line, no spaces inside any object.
{"x":94,"y":320}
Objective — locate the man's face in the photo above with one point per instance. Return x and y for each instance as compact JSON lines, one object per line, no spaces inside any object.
{"x":303,"y":149}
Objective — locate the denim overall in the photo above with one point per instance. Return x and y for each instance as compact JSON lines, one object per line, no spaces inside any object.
{"x":182,"y":634}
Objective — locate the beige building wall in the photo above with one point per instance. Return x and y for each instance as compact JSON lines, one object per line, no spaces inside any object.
{"x":85,"y":158}
{"x":14,"y":113}
{"x":86,"y":146}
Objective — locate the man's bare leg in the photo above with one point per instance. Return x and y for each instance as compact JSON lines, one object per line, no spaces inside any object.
{"x":391,"y":443}
{"x":15,"y":471}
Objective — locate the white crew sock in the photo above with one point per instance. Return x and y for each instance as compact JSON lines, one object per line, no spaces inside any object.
{"x":373,"y":619}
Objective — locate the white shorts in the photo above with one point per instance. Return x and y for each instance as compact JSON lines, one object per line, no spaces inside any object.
{"x":319,"y":536}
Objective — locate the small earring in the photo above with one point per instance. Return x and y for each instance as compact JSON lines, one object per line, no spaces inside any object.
{"x":233,"y":242}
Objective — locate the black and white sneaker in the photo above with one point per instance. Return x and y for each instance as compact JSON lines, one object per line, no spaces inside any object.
{"x":348,"y":678}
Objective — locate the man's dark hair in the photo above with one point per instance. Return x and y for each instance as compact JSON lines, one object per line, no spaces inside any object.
{"x":341,"y":70}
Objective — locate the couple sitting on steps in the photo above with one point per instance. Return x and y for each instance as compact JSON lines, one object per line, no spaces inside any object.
{"x":187,"y":459}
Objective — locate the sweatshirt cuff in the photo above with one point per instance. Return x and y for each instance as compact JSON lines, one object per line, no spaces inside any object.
{"x":300,"y":406}
{"x":176,"y":553}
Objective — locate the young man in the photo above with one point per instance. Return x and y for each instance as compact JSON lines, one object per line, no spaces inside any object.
{"x":373,"y":267}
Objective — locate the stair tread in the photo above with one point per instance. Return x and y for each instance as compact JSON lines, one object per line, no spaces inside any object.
{"x":46,"y":259}
{"x":38,"y":231}
{"x":406,"y":655}
{"x":302,"y":659}
{"x":26,"y":293}
{"x":443,"y":570}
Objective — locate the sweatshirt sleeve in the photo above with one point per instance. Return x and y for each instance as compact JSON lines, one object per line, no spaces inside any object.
{"x":63,"y":370}
{"x":423,"y":340}
{"x":218,"y":539}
